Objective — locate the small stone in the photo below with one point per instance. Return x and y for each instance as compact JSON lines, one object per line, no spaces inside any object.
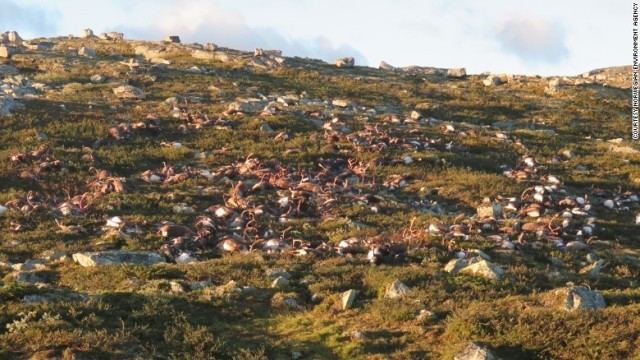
{"x":200,"y":285}
{"x":568,"y":154}
{"x":276,"y":273}
{"x":492,"y":80}
{"x":292,"y":303}
{"x":172,"y":39}
{"x":280,"y":282}
{"x":397,"y":289}
{"x":475,"y":351}
{"x":340,"y":103}
{"x":345,"y":62}
{"x":185,"y":258}
{"x":484,"y":269}
{"x":609,"y":204}
{"x":348,"y":297}
{"x":32,"y":264}
{"x":295,"y":355}
{"x":454,"y":266}
{"x":183,"y":209}
{"x":27,"y":277}
{"x":425,"y":315}
{"x":97,"y":79}
{"x":577,"y":298}
{"x":593,"y":270}
{"x":575,"y":246}
{"x":265,"y":127}
{"x":88,"y":52}
{"x":176,"y":287}
{"x":357,"y":335}
{"x":128,"y":92}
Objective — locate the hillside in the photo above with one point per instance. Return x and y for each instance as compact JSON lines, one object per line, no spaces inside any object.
{"x":182,"y":201}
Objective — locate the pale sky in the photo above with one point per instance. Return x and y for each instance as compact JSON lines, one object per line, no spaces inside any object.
{"x":545,"y":37}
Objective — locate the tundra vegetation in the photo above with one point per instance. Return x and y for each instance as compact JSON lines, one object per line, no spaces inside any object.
{"x":176,"y":201}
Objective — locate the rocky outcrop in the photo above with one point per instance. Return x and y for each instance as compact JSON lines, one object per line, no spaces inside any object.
{"x":345,"y":62}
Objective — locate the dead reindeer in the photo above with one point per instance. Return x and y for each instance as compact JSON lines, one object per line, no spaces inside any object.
{"x":101,"y":174}
{"x":151,"y":176}
{"x":185,"y":175}
{"x":236,"y":198}
{"x":71,"y":229}
{"x":173,"y":231}
{"x":232,"y":244}
{"x":410,"y":234}
{"x":20,"y":158}
{"x":358,"y":168}
{"x":114,"y":185}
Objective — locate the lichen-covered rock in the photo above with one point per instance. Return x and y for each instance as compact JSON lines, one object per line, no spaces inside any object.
{"x":576,"y":298}
{"x":118,"y":257}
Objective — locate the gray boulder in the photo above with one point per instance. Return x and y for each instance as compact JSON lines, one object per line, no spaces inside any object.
{"x":7,"y":104}
{"x":97,"y":79}
{"x":484,"y":269}
{"x":7,"y":51}
{"x":457,"y":73}
{"x":87,"y":33}
{"x":173,"y":39}
{"x":348,"y":297}
{"x":118,"y":257}
{"x":280,"y":282}
{"x":346,"y":62}
{"x":28,"y":277}
{"x":13,"y":37}
{"x":492,"y":80}
{"x":576,"y":298}
{"x":475,"y":351}
{"x":397,"y":289}
{"x":386,"y":66}
{"x":88,"y":52}
{"x":8,"y":70}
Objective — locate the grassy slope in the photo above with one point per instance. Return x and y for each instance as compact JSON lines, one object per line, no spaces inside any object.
{"x":132,"y":314}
